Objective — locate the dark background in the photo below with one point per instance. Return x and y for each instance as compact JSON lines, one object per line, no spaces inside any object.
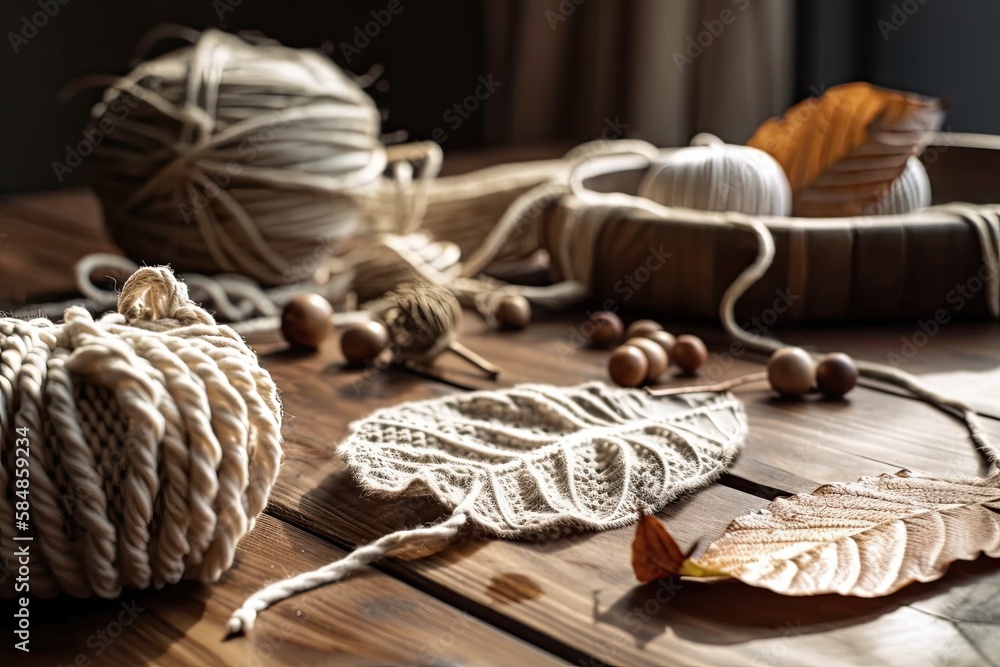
{"x":434,"y":51}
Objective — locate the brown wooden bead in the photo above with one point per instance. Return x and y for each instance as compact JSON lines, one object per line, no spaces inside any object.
{"x":628,"y":366}
{"x":655,"y":356}
{"x":513,"y":312}
{"x":665,"y":340}
{"x":689,"y":353}
{"x":305,"y":320}
{"x":791,"y":371}
{"x":641,"y":328}
{"x":836,"y":374}
{"x":605,"y":329}
{"x":364,"y":342}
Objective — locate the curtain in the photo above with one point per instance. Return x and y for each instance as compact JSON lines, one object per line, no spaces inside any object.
{"x":649,"y":69}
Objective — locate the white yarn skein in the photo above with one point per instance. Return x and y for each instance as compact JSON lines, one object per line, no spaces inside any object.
{"x":713,"y":176}
{"x":911,"y":191}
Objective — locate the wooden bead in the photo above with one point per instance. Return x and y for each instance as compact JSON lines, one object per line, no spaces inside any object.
{"x":605,"y":329}
{"x":305,"y":320}
{"x":364,"y":342}
{"x":628,"y":366}
{"x":641,"y":328}
{"x":836,"y":374}
{"x":655,"y":357}
{"x":664,"y":339}
{"x":513,"y":312}
{"x":791,"y":371}
{"x":689,"y":353}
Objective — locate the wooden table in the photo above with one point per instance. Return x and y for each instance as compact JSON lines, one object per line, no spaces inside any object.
{"x":572,"y":600}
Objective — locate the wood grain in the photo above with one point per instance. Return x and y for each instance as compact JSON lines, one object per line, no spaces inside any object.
{"x":369,"y":619}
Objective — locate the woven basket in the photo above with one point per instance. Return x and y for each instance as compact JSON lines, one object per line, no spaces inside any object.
{"x":898,"y":267}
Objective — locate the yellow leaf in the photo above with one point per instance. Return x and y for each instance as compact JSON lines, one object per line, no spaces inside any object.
{"x":842,"y":151}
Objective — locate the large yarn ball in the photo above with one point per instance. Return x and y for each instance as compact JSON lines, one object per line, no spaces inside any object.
{"x":151,"y":438}
{"x":237,"y":157}
{"x":719,"y":177}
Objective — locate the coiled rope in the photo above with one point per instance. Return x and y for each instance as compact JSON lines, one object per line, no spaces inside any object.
{"x":151,"y":437}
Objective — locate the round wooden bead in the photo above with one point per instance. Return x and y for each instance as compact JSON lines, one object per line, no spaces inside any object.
{"x":641,"y":328}
{"x":791,"y":371}
{"x":689,"y":353}
{"x":513,"y":312}
{"x":364,"y":342}
{"x":656,"y":358}
{"x":665,"y":340}
{"x":606,"y":329}
{"x":305,"y":320}
{"x":628,"y":366}
{"x":836,"y":374}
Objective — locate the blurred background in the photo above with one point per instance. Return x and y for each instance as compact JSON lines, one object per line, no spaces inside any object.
{"x":489,"y":73}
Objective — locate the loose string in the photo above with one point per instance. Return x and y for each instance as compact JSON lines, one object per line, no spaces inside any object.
{"x":242,"y":620}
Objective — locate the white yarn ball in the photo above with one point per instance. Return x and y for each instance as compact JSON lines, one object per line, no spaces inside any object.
{"x":910,"y":192}
{"x":714,"y":176}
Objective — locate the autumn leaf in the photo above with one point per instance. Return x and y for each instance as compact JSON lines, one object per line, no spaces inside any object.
{"x":842,"y":150}
{"x":866,"y":538}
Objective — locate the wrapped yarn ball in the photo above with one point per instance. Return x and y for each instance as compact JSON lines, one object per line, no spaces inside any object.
{"x":236,"y":157}
{"x":719,"y":177}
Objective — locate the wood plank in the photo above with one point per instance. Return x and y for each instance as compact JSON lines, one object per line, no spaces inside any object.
{"x":565,"y":577}
{"x":369,"y":619}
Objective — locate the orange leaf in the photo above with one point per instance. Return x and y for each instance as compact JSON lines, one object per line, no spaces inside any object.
{"x":655,"y":555}
{"x":842,"y":151}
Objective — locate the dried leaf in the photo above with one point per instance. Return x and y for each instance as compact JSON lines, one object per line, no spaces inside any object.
{"x":655,"y":555}
{"x":866,"y":538}
{"x":842,"y":151}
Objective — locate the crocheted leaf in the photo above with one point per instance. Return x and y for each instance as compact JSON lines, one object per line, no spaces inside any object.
{"x":866,"y":538}
{"x":540,"y":458}
{"x":843,"y":150}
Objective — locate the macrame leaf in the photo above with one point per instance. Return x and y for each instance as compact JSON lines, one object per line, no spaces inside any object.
{"x":867,"y":538}
{"x":843,"y":150}
{"x":540,"y":458}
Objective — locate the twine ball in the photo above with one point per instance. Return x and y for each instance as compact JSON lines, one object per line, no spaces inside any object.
{"x":236,"y":157}
{"x":713,"y":176}
{"x":153,"y":437}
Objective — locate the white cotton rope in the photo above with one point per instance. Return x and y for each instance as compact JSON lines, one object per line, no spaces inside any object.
{"x":242,"y":620}
{"x":153,"y":442}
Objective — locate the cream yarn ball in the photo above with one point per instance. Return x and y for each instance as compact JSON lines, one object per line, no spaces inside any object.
{"x":710,"y":175}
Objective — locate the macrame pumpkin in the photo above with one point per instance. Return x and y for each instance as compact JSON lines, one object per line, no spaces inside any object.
{"x":713,"y":176}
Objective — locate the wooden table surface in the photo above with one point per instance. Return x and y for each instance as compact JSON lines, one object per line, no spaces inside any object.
{"x":572,"y":600}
